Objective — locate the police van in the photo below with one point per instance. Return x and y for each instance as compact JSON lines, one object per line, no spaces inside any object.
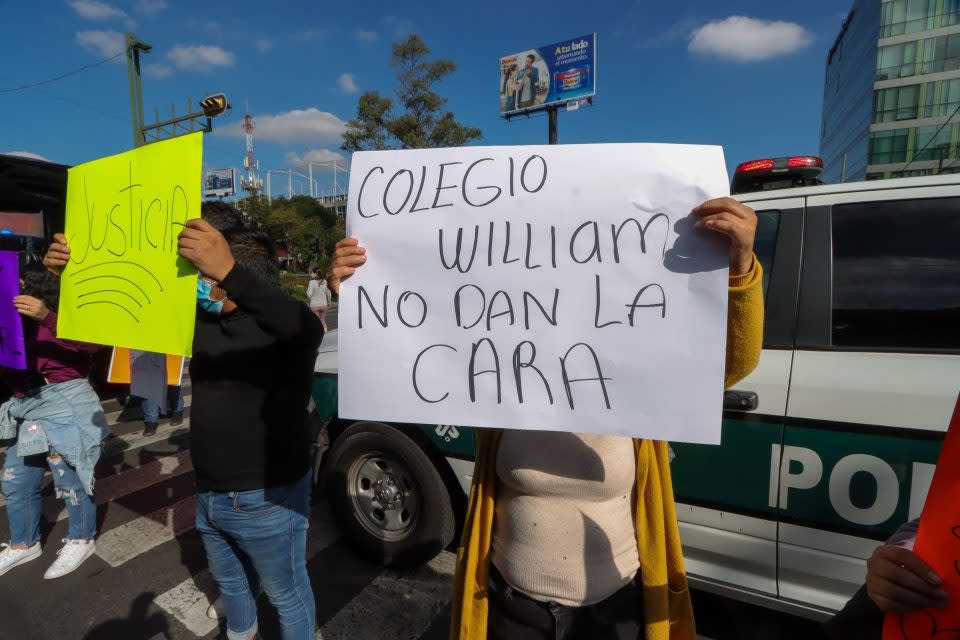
{"x":827,"y":447}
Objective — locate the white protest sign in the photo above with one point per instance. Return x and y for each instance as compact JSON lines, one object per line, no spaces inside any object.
{"x":556,"y":288}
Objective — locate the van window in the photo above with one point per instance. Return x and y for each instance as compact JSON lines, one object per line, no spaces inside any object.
{"x":765,"y":241}
{"x":896,"y":274}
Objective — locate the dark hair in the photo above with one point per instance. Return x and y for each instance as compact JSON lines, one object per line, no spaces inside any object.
{"x":221,"y":215}
{"x":255,"y":251}
{"x":40,"y":283}
{"x":530,"y":56}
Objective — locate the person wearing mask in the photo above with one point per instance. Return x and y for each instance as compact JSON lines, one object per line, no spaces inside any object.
{"x":319,"y":296}
{"x":571,"y":536}
{"x":253,"y":354}
{"x":56,"y":422}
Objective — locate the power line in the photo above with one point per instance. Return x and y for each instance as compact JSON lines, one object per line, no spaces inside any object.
{"x":932,"y":138}
{"x":63,"y":75}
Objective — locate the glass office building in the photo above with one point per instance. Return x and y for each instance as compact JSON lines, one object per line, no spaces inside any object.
{"x":891,"y":100}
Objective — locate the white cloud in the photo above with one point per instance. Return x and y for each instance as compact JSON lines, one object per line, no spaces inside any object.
{"x":157,"y":70}
{"x":366,"y":36}
{"x":348,"y":83}
{"x":104,"y":43}
{"x":95,"y":10}
{"x":26,"y":154}
{"x":316,"y":155}
{"x":151,"y":6}
{"x":264,"y":44}
{"x":299,"y":125}
{"x":200,"y":57}
{"x":749,"y":39}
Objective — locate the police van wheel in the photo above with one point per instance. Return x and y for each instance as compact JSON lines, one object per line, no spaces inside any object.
{"x":387,"y":497}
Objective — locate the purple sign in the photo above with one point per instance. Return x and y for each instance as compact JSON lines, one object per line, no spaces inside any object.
{"x":12,"y":353}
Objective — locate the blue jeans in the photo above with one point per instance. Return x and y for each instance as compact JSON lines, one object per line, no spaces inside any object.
{"x":22,"y":478}
{"x":151,"y":410}
{"x":259,"y":538}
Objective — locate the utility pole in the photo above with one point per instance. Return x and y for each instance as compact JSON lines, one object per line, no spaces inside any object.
{"x":552,"y":112}
{"x":134,"y":47}
{"x":193,"y":121}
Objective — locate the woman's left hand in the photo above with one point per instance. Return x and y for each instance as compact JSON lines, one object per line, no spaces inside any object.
{"x":736,"y":221}
{"x":31,"y":307}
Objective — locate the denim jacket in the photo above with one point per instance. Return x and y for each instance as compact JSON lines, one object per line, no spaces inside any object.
{"x":65,"y":418}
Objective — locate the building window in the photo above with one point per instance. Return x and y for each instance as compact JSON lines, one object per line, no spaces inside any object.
{"x":932,"y":142}
{"x":896,"y":103}
{"x":888,"y":146}
{"x":909,"y":16}
{"x":896,"y":275}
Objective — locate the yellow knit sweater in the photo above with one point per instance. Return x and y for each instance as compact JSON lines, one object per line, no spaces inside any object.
{"x":667,"y":607}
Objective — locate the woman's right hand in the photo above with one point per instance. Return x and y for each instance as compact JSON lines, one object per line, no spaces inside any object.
{"x":347,"y":257}
{"x":57,"y":255}
{"x":900,"y":582}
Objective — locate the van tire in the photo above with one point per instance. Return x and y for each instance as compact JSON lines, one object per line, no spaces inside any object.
{"x":387,"y":496}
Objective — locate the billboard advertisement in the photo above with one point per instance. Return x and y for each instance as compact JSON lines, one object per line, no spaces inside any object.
{"x":219,"y":182}
{"x":554,"y":74}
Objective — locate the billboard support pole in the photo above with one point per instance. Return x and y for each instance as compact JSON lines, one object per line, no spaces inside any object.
{"x":552,"y":112}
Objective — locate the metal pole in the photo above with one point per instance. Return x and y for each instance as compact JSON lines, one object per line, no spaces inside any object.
{"x":336,"y":188}
{"x":843,"y":168}
{"x":289,"y":184}
{"x":552,"y":112}
{"x":133,"y":47}
{"x":310,"y":170}
{"x":269,"y":196}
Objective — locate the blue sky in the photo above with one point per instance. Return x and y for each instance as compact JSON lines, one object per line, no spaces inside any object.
{"x":746,"y":75}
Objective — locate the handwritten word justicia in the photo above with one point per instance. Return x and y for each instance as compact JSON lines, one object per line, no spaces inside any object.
{"x":132,"y":219}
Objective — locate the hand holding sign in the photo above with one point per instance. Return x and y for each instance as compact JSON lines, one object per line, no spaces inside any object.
{"x":346,"y":258}
{"x":900,"y":582}
{"x":206,"y":248}
{"x":917,"y":611}
{"x":31,"y":307}
{"x":735,"y":220}
{"x":58,"y":254}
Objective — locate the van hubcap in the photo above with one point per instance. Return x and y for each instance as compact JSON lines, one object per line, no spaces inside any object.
{"x":384,"y":496}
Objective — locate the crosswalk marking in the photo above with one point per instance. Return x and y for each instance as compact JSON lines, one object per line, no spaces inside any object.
{"x":121,"y":544}
{"x":395,"y":606}
{"x":188,"y":601}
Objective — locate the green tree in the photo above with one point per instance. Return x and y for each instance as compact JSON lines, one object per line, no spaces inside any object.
{"x":423,"y":121}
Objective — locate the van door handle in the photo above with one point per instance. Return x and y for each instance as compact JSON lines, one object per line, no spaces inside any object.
{"x":740,"y":400}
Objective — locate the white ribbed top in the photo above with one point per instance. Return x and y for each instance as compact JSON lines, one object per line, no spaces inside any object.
{"x":564,"y":530}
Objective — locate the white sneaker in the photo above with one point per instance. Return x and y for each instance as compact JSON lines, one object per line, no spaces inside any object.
{"x":215,"y":611}
{"x":71,"y":556}
{"x":10,"y":557}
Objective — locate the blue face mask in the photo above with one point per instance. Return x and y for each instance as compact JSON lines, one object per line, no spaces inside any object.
{"x":203,"y":298}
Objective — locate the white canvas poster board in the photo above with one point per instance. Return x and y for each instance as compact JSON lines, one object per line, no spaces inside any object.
{"x":554,"y":288}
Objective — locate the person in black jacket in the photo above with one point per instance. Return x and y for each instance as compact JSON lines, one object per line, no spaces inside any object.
{"x":254,"y":348}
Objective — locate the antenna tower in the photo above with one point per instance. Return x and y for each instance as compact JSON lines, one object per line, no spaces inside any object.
{"x":253,"y":184}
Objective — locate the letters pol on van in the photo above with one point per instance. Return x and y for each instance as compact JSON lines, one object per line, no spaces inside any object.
{"x":559,"y":288}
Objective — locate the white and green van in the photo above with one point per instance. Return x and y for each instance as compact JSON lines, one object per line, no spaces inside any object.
{"x":828,"y":446}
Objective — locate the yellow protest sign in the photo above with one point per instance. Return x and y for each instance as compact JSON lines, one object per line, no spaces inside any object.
{"x":125,"y":285}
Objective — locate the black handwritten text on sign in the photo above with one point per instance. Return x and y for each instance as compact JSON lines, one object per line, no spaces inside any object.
{"x":557,"y":288}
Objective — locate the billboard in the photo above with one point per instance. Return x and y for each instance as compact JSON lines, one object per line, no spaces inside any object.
{"x":219,"y":182}
{"x":554,"y":74}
